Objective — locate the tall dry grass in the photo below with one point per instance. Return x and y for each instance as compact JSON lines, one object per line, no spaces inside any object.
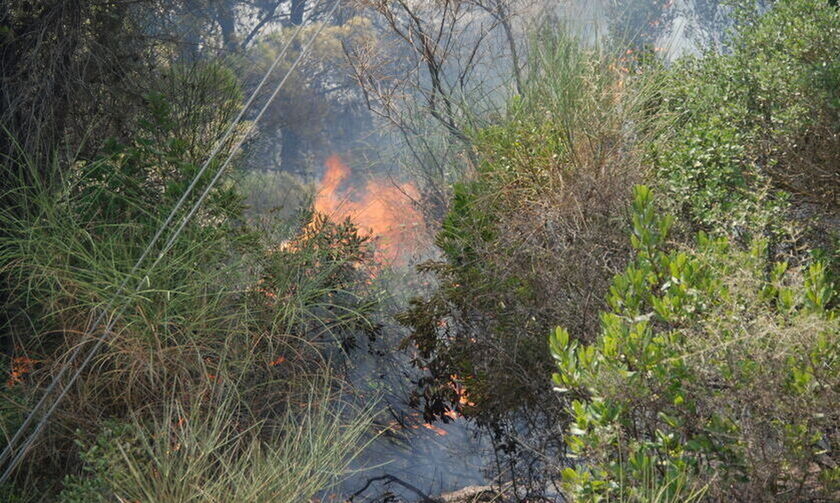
{"x":227,"y":329}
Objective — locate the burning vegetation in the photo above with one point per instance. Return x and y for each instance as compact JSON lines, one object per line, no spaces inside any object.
{"x":180,"y":301}
{"x":383,"y":210}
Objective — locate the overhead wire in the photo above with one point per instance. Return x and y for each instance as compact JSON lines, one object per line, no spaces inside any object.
{"x":161,"y":229}
{"x":9,"y":449}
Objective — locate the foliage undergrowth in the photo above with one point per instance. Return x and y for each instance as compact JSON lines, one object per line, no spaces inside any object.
{"x":712,"y":361}
{"x":532,"y":237}
{"x":757,"y":127}
{"x":215,"y":450}
{"x":222,"y":330}
{"x":695,"y":366}
{"x":717,"y":358}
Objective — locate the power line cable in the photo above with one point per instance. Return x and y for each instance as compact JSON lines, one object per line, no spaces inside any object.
{"x":217,"y":147}
{"x":170,"y":242}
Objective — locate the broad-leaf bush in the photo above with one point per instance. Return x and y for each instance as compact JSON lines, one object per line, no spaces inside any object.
{"x":756,"y":125}
{"x":712,"y":361}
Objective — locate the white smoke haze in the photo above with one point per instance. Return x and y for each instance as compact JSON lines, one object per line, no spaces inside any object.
{"x":397,"y":147}
{"x":375,"y":166}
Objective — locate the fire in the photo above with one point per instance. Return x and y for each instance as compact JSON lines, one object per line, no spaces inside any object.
{"x":279,"y":360}
{"x":414,"y":422}
{"x":382,"y":210}
{"x":21,"y":365}
{"x":461,"y":390}
{"x":437,"y":430}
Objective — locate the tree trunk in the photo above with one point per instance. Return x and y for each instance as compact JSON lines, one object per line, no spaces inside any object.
{"x":227,"y":22}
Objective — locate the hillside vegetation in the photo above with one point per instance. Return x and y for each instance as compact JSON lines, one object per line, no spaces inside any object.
{"x":633,"y":296}
{"x":679,"y":224}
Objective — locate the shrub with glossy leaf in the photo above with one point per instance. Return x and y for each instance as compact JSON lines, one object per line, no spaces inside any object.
{"x":712,"y":362}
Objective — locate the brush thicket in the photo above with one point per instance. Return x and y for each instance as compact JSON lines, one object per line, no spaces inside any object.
{"x":244,"y":312}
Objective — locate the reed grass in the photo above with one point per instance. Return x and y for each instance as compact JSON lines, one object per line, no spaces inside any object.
{"x":225,"y":331}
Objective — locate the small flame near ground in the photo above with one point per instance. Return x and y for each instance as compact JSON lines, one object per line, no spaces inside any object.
{"x":383,"y":210}
{"x":414,"y":421}
{"x":21,"y":365}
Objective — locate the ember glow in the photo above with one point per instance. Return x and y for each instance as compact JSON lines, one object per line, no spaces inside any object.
{"x":382,"y":210}
{"x":279,"y":360}
{"x":437,"y":430}
{"x":461,"y":390}
{"x":21,"y":365}
{"x":414,"y":421}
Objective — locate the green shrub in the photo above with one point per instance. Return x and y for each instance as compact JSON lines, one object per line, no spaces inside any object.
{"x":711,"y":361}
{"x":752,"y":122}
{"x":262,"y":302}
{"x":533,"y":237}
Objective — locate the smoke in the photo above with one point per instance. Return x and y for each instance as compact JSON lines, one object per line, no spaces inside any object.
{"x":383,"y":203}
{"x":432,"y":458}
{"x":409,"y":456}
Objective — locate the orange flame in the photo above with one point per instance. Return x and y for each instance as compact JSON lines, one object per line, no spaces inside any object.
{"x":414,"y":422}
{"x":437,"y":430}
{"x":21,"y":365}
{"x":383,"y":210}
{"x":461,"y":390}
